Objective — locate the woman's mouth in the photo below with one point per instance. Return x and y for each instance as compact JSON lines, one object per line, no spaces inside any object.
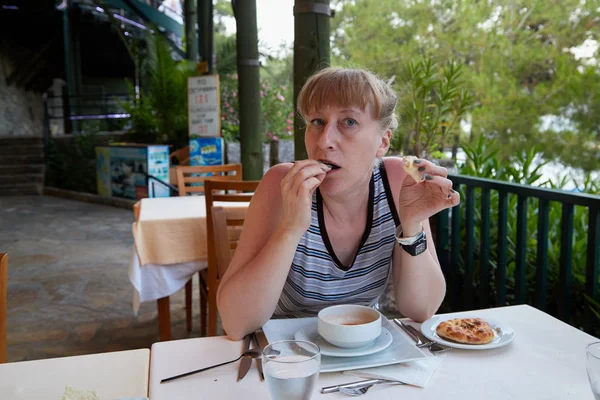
{"x":330,"y":164}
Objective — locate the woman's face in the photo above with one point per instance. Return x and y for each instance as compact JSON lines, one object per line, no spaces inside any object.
{"x":349,"y":139}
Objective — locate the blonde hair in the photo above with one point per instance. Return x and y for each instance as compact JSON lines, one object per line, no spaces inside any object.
{"x":347,"y":87}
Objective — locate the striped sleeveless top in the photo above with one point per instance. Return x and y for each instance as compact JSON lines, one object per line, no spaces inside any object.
{"x":317,"y":278}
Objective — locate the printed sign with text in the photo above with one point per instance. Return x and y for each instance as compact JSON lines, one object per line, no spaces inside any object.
{"x":203,"y":106}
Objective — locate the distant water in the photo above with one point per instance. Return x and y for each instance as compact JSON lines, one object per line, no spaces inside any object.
{"x":551,"y":171}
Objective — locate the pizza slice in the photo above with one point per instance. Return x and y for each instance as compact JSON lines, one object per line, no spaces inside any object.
{"x":412,"y":168}
{"x":466,"y":330}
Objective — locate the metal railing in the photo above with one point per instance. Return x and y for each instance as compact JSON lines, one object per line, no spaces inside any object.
{"x":511,"y":243}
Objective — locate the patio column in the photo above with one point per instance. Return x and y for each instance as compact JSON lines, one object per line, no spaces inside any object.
{"x":191,"y":42}
{"x":206,"y":34}
{"x":72,"y":66}
{"x":248,"y":66}
{"x":311,"y":53}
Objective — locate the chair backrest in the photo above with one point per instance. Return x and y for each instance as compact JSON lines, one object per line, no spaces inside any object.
{"x":191,"y":179}
{"x":219,"y":191}
{"x":3,"y":304}
{"x":227,"y":228}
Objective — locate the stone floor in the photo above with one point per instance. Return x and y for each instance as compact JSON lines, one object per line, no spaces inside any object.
{"x":68,"y":286}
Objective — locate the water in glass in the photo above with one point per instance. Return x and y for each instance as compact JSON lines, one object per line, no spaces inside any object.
{"x":291,"y":369}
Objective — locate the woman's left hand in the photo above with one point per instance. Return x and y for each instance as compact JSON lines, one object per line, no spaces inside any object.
{"x":420,"y":200}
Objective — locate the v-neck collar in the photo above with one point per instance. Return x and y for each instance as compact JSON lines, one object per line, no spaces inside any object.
{"x":366,"y":232}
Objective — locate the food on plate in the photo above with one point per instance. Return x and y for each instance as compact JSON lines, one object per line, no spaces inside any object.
{"x":412,"y":168}
{"x":466,"y":330}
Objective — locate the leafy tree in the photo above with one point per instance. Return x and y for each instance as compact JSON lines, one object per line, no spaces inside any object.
{"x":517,"y":56}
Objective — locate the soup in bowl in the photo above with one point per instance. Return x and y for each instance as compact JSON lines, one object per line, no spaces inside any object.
{"x":349,"y":325}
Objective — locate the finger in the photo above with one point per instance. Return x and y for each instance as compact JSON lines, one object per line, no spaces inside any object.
{"x":310,"y":171}
{"x":287,"y":182}
{"x":427,"y":167}
{"x":445,"y":185}
{"x":453,"y":198}
{"x":308,"y":186}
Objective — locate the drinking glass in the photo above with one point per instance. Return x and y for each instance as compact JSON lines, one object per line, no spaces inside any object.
{"x":592,"y":363}
{"x":291,"y":369}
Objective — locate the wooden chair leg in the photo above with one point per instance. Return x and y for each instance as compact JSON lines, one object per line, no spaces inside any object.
{"x":203,"y":305}
{"x":188,"y":305}
{"x":212,"y":313}
{"x":164,"y":319}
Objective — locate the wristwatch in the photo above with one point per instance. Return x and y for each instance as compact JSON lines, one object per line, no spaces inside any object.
{"x":413,"y":245}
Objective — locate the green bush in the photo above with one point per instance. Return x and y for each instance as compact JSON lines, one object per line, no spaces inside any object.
{"x":483,"y":161}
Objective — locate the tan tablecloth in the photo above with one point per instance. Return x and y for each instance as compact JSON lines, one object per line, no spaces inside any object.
{"x":172,"y":230}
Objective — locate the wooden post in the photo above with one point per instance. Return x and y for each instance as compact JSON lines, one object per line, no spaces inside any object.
{"x":205,"y":33}
{"x":311,"y":53}
{"x":248,"y":66}
{"x":191,"y":41}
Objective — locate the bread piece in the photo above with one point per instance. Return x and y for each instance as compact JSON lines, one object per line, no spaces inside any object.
{"x":466,"y":330}
{"x":72,"y":393}
{"x":412,"y":168}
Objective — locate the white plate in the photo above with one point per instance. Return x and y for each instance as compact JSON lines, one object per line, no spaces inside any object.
{"x":402,"y":348}
{"x":502,"y":338}
{"x":310,"y":334}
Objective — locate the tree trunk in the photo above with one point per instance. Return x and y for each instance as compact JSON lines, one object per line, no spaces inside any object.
{"x":311,"y":53}
{"x":191,"y":42}
{"x":249,"y":89}
{"x":273,"y":153}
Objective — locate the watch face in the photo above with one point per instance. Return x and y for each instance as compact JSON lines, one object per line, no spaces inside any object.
{"x":420,"y":247}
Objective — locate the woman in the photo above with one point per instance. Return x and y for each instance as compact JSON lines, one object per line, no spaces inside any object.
{"x":322,"y":231}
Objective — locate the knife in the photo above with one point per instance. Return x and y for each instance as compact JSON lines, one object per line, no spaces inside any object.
{"x":261,"y":341}
{"x":246,"y":362}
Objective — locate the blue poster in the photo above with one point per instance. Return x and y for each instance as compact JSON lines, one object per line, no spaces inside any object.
{"x":206,"y":151}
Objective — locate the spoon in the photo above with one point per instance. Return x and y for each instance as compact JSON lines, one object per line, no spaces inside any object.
{"x":253,"y":353}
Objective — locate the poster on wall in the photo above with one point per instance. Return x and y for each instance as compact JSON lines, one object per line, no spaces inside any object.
{"x":158,"y":166}
{"x":205,"y":151}
{"x":204,"y":108}
{"x":124,"y":165}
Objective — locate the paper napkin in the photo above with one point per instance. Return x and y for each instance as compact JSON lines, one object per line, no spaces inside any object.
{"x":416,"y":373}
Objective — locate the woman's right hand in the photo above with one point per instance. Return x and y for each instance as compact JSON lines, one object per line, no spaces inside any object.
{"x":297,"y":189}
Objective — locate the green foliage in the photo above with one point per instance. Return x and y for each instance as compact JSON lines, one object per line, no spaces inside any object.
{"x":432,"y":101}
{"x":159,"y":111}
{"x":516,"y":59}
{"x":71,"y":163}
{"x":277,"y":110}
{"x":524,"y":168}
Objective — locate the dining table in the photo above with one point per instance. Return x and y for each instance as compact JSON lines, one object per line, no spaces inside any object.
{"x":169,"y":245}
{"x":112,"y":375}
{"x":546,"y":360}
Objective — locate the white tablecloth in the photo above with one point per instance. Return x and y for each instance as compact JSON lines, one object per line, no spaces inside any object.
{"x":168,"y":227}
{"x":545,"y":361}
{"x":152,"y":282}
{"x":116,"y":375}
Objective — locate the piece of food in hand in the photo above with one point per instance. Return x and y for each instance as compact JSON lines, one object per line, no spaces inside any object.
{"x":412,"y":168}
{"x":466,"y":330}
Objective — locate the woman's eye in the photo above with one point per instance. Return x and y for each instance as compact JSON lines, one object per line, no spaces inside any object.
{"x":350,"y":122}
{"x":317,"y":122}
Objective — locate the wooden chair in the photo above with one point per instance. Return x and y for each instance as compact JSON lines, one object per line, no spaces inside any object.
{"x":3,"y":305}
{"x":189,"y":181}
{"x":219,"y":191}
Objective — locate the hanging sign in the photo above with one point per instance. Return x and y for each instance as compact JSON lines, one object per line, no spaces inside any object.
{"x":204,"y":113}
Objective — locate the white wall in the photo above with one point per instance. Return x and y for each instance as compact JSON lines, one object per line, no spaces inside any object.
{"x":21,"y":112}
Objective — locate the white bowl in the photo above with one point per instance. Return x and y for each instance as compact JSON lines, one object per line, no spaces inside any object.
{"x":349,"y":325}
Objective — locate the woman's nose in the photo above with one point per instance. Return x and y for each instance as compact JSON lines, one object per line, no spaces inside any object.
{"x":326,"y":140}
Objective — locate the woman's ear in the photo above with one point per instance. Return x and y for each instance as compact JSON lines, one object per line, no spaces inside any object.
{"x":384,"y":146}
